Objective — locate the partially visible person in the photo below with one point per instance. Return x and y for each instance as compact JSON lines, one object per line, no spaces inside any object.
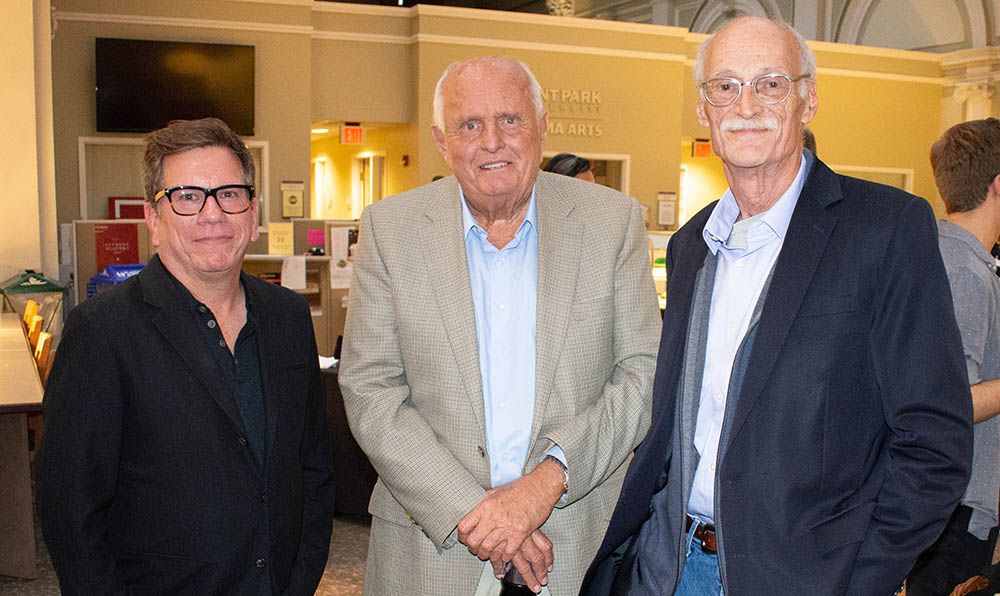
{"x":966,"y":162}
{"x":809,"y":139}
{"x":570,"y":165}
{"x":186,"y":449}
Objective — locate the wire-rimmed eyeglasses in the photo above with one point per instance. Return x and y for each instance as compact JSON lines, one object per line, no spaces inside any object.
{"x":191,"y":200}
{"x":769,"y":89}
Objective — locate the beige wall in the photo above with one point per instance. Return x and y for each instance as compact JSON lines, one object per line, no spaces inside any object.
{"x":282,"y":40}
{"x":373,"y":64}
{"x":19,"y":202}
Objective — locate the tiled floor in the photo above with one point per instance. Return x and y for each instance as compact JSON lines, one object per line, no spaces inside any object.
{"x":344,"y":576}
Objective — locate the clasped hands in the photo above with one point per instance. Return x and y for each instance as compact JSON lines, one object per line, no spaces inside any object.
{"x":504,"y":526}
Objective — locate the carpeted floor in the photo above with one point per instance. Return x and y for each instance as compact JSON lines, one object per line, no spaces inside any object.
{"x":344,"y":576}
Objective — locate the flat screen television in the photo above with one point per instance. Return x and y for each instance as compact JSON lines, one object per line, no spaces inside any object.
{"x":143,"y":84}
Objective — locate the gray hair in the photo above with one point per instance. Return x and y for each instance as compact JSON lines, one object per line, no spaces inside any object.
{"x":807,"y":60}
{"x":534,"y":89}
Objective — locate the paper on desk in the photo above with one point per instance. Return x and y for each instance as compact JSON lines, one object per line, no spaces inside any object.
{"x":293,"y":273}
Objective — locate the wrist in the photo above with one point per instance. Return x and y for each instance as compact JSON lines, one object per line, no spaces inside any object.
{"x":563,"y":474}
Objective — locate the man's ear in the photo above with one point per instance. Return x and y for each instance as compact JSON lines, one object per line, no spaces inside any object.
{"x":152,"y":217}
{"x":439,"y":141}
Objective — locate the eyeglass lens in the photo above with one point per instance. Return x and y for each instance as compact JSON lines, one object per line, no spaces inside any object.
{"x":769,"y":89}
{"x":232,"y":199}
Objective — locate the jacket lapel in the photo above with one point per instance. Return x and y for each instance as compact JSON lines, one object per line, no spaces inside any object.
{"x":448,"y":272}
{"x":269,"y":341}
{"x":174,"y":322}
{"x":805,"y":242}
{"x":559,"y":238}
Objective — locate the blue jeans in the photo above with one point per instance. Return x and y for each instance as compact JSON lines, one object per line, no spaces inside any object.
{"x":701,"y":571}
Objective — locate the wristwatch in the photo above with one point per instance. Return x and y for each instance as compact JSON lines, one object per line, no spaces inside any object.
{"x":565,"y":471}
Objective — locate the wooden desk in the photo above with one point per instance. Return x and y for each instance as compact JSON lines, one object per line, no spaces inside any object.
{"x":20,"y":393}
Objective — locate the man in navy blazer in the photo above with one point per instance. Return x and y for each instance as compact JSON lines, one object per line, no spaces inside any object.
{"x":185,"y":448}
{"x":812,"y":423}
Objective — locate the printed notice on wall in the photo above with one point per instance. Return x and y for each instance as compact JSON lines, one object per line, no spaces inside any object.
{"x":293,"y":273}
{"x":279,"y":239}
{"x":116,"y":243}
{"x":340,"y":258}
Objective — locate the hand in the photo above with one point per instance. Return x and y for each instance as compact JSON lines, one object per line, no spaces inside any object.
{"x":533,"y":561}
{"x":497,"y":527}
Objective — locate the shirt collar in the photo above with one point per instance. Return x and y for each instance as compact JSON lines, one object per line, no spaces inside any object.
{"x":469,"y":222}
{"x":957,"y":232}
{"x":773,"y":222}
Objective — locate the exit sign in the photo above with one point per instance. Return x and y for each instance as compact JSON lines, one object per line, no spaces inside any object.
{"x":351,"y":135}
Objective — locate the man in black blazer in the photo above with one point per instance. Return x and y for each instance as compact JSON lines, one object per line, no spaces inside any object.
{"x":812,"y":423}
{"x":185,"y":448}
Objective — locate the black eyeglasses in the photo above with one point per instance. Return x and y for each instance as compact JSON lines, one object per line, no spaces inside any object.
{"x":769,"y":89}
{"x":190,"y":200}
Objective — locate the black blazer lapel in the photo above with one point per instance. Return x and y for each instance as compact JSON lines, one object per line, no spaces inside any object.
{"x":805,"y":242}
{"x":174,"y":322}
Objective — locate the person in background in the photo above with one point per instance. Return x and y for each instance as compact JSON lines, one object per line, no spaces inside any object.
{"x":812,"y":423}
{"x":570,"y":165}
{"x":966,"y":163}
{"x":186,"y":449}
{"x":498,"y":353}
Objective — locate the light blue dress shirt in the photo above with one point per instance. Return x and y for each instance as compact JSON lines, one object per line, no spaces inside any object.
{"x":745,"y":251}
{"x":504,"y":295}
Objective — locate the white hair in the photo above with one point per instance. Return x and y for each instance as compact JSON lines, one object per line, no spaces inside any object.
{"x":534,"y":89}
{"x":807,"y":60}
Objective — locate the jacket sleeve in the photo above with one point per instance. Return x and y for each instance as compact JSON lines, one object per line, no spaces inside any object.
{"x":920,"y":368}
{"x":420,"y":472}
{"x":603,"y":434}
{"x":77,"y":465}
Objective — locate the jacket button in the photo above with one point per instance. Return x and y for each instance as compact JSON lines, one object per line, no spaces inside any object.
{"x":482,"y":452}
{"x":262,"y":562}
{"x":263,"y":499}
{"x":242,"y":441}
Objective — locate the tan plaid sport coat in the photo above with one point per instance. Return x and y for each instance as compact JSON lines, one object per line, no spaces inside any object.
{"x":411,"y":379}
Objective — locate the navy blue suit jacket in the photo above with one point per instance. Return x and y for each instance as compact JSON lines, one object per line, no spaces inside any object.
{"x":851,"y":437}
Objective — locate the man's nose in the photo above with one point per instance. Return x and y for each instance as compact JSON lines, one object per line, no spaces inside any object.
{"x":747,"y":103}
{"x":492,"y":139}
{"x":211,"y":211}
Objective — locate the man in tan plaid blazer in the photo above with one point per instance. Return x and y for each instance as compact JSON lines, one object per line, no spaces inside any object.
{"x":418,"y":346}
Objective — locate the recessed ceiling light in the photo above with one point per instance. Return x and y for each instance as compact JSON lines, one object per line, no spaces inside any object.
{"x":319,"y":131}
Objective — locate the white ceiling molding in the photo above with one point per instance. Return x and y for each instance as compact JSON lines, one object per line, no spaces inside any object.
{"x":547,"y":47}
{"x":87,"y":17}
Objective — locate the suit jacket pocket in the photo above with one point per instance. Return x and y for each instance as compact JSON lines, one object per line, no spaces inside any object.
{"x":821,"y":304}
{"x":842,"y":528}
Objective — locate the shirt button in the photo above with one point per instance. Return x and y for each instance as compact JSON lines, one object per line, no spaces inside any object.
{"x":500,"y":262}
{"x":718,"y":396}
{"x":242,"y":441}
{"x":739,"y":263}
{"x":500,"y":307}
{"x":712,"y":467}
{"x":731,"y":331}
{"x":211,"y":324}
{"x":261,"y":562}
{"x":263,"y":498}
{"x":202,"y":308}
{"x":222,"y":343}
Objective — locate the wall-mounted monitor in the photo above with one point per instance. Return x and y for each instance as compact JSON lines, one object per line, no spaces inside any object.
{"x":144,"y":84}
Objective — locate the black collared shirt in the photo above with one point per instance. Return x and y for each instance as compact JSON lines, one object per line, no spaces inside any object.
{"x":241,"y":368}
